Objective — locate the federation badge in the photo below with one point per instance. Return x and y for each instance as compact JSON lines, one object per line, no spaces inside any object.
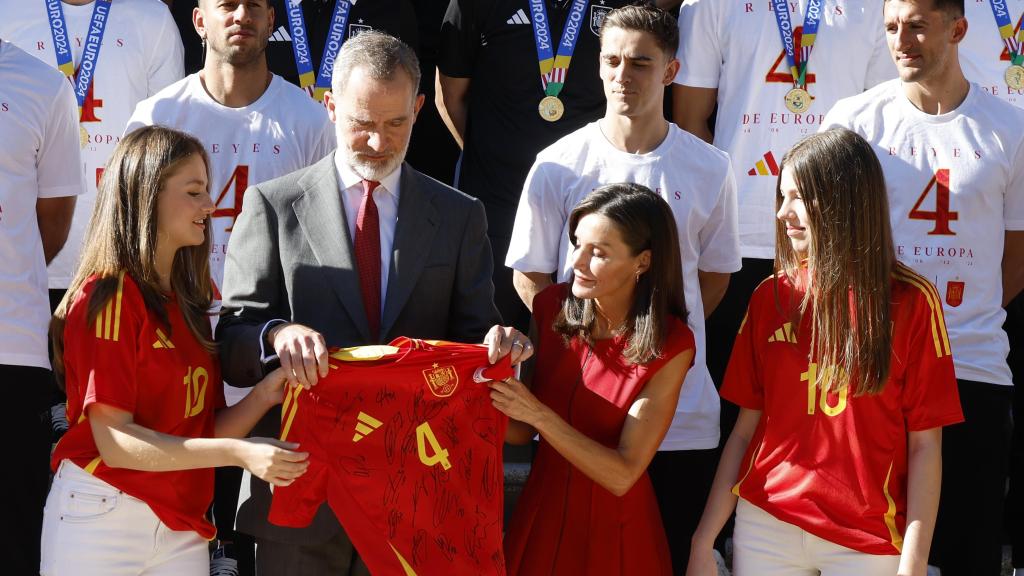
{"x":1014,"y":77}
{"x":954,"y":293}
{"x":83,"y":136}
{"x":357,"y":29}
{"x":551,"y":108}
{"x":442,"y":380}
{"x":597,"y":14}
{"x":798,"y":100}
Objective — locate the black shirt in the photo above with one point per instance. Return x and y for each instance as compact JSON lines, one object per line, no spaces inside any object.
{"x":492,"y":42}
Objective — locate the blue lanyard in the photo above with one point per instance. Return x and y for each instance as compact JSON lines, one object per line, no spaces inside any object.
{"x":810,"y":32}
{"x":301,"y":48}
{"x":90,"y":53}
{"x":546,"y":57}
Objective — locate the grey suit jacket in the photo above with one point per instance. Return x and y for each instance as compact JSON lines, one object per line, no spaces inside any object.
{"x":290,"y":257}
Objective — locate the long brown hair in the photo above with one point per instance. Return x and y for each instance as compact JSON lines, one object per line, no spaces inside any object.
{"x":645,"y":222}
{"x":850,"y":259}
{"x":122,"y":237}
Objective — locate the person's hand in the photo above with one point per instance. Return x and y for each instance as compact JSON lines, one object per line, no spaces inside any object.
{"x":271,"y":389}
{"x":702,"y":562}
{"x":272,"y":460}
{"x":515,"y":400}
{"x":302,"y":351}
{"x":507,"y":341}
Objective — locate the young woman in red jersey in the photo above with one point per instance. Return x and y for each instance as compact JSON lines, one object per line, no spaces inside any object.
{"x":843,"y":374}
{"x":133,"y":475}
{"x":613,"y":349}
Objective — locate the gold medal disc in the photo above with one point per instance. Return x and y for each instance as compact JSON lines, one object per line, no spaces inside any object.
{"x":798,"y":100}
{"x":1014,"y":77}
{"x":551,"y":108}
{"x":83,"y":136}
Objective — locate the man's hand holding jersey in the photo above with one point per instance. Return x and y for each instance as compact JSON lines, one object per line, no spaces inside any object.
{"x":303,"y":351}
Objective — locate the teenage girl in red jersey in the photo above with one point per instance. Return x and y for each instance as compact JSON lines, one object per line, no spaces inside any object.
{"x":613,"y":349}
{"x":843,"y":374}
{"x":134,"y":474}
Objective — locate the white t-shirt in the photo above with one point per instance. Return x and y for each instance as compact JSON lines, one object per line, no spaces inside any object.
{"x":983,"y":56}
{"x":734,"y":46}
{"x":974,"y":156}
{"x":281,"y":132}
{"x":694,"y":177}
{"x":141,"y":53}
{"x":38,"y":141}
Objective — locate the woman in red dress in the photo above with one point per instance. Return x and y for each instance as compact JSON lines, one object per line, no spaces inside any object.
{"x":613,"y":349}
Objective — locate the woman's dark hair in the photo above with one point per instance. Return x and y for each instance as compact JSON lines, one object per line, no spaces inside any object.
{"x":645,"y":222}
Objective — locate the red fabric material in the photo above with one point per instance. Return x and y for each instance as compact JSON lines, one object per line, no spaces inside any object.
{"x":829,"y":462}
{"x":162,"y":376}
{"x":406,"y":449}
{"x":367,"y":247}
{"x":565,"y":523}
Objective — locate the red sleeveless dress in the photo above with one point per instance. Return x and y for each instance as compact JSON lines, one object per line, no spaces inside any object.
{"x":565,"y":523}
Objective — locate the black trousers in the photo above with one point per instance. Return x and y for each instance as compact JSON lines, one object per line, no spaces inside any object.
{"x":968,"y":532}
{"x":682,"y":480}
{"x":26,"y":426}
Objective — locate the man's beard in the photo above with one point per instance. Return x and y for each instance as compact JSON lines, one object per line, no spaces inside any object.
{"x":373,"y":170}
{"x":242,"y":58}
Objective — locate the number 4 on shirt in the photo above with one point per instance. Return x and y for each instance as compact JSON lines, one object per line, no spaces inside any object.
{"x":942,"y":215}
{"x":239,"y":181}
{"x":424,"y":436}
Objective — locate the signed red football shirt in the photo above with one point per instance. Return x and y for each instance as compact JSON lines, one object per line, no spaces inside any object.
{"x":405,"y":446}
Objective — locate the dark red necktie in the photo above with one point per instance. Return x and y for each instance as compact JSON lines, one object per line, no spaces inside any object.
{"x":367,"y":247}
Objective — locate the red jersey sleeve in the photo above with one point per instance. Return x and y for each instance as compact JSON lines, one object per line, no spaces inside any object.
{"x":930,"y":396}
{"x":742,"y":384}
{"x":107,"y":348}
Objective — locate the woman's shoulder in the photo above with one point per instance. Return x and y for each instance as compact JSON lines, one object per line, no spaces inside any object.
{"x":678,"y":338}
{"x":119,"y":290}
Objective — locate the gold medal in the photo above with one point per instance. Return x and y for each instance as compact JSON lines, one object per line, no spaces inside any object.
{"x":1014,"y":77}
{"x":83,"y":136}
{"x":798,"y":100}
{"x":551,"y":108}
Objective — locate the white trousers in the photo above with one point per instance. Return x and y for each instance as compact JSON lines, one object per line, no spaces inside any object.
{"x":91,"y":528}
{"x":763,"y":545}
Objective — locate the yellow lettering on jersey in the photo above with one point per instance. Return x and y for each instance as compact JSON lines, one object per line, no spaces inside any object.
{"x":405,"y":564}
{"x":424,"y":436}
{"x":829,"y":374}
{"x":195,"y":391}
{"x":162,"y":341}
{"x":364,"y":425}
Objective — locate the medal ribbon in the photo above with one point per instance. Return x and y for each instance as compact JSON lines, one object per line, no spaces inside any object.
{"x":1002,"y":14}
{"x":317,"y":85}
{"x":785,"y":24}
{"x":554,"y":67}
{"x":82,"y":79}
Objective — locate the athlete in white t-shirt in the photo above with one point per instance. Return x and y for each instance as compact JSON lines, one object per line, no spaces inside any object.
{"x":732,"y":56}
{"x":953,"y":157}
{"x":255,"y":126}
{"x":634,"y":143}
{"x":38,"y":143}
{"x":140,"y":54}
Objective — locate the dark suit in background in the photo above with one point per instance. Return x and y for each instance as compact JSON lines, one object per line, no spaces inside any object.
{"x":291,"y":258}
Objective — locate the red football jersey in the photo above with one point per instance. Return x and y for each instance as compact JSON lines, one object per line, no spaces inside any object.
{"x":406,"y":448}
{"x":832,"y":463}
{"x":128,"y":359}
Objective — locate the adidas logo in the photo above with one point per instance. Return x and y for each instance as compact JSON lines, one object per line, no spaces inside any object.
{"x":162,"y":341}
{"x":364,"y":425}
{"x":519,"y":17}
{"x":784,"y":334}
{"x":281,"y":35}
{"x":766,"y":166}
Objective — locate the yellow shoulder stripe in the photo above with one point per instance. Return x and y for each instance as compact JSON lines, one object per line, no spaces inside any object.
{"x":108,"y":321}
{"x":938,"y":323}
{"x":91,"y":466}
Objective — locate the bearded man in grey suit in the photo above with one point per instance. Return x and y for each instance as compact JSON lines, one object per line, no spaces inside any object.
{"x":356,"y":249}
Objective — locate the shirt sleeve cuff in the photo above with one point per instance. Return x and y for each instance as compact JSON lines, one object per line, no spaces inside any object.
{"x":264,"y":358}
